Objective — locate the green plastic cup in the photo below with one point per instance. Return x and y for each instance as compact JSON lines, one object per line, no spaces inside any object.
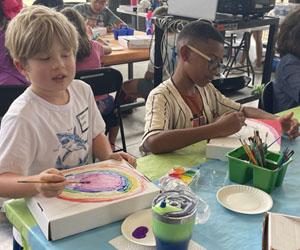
{"x":173,"y":219}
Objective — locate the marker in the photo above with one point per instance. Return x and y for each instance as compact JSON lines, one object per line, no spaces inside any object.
{"x":69,"y":182}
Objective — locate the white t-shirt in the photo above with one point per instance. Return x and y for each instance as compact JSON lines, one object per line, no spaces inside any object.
{"x":36,"y":135}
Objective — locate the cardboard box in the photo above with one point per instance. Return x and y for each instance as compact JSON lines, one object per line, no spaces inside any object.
{"x":135,"y":42}
{"x":281,"y":232}
{"x":61,"y":217}
{"x":218,"y":148}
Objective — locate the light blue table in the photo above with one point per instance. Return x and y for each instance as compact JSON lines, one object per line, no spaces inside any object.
{"x":224,"y":229}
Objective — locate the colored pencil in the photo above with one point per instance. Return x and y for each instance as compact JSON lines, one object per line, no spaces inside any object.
{"x":69,"y":182}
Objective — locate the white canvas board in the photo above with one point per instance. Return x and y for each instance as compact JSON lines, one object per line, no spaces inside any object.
{"x":135,"y":42}
{"x":59,"y":218}
{"x":218,"y":148}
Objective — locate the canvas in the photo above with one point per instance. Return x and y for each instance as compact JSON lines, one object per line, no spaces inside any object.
{"x":115,"y":190}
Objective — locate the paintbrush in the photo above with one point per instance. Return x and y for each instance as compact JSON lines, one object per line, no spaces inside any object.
{"x":69,"y":182}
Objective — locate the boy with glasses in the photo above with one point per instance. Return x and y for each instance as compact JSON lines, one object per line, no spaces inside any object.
{"x":187,"y":108}
{"x":96,"y":14}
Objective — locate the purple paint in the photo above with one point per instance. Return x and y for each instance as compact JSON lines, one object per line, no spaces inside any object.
{"x":140,"y":232}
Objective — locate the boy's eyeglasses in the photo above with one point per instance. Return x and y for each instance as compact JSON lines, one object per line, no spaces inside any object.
{"x":213,"y":64}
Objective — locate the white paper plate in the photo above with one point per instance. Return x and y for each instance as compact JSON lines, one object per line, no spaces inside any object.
{"x":139,"y":219}
{"x":244,"y":199}
{"x":117,"y":48}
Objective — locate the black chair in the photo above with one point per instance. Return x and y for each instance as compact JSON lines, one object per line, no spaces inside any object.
{"x":8,"y":93}
{"x":105,"y":81}
{"x":266,"y":98}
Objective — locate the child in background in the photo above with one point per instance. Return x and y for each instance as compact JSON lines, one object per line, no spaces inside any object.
{"x":187,"y":108}
{"x":89,"y":57}
{"x":55,"y":124}
{"x":9,"y":74}
{"x":96,"y":14}
{"x":258,"y":65}
{"x":286,"y":87}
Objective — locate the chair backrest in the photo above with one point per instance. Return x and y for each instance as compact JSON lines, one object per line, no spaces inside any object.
{"x":266,"y":98}
{"x":105,"y":81}
{"x":102,"y":81}
{"x":8,"y":93}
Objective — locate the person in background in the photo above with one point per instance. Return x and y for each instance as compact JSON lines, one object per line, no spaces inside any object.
{"x":57,"y":4}
{"x":187,"y":108}
{"x":141,"y":87}
{"x":9,"y":75}
{"x":286,"y":86}
{"x":89,"y":57}
{"x":55,"y":124}
{"x":96,"y":14}
{"x":258,"y":65}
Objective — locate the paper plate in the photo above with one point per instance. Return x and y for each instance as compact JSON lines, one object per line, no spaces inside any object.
{"x":133,"y":222}
{"x":117,"y":48}
{"x":244,"y":199}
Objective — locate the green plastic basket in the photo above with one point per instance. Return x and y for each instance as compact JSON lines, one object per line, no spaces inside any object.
{"x":241,"y":170}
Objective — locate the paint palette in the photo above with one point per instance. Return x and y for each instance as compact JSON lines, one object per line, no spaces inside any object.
{"x":187,"y":175}
{"x":137,"y":228}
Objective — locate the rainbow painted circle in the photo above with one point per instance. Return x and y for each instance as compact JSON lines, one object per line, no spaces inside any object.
{"x":108,"y":182}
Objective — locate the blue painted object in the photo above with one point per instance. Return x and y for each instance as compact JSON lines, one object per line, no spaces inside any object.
{"x":123,"y":31}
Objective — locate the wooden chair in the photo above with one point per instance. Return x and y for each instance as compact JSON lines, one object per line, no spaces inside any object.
{"x":105,"y":81}
{"x":8,"y":93}
{"x":266,"y":98}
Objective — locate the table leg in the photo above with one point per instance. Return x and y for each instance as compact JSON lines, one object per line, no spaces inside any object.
{"x":134,"y":21}
{"x":130,"y":70}
{"x":269,"y":54}
{"x":157,"y":56}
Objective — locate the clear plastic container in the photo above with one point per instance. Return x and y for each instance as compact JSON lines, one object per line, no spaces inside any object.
{"x":211,"y":179}
{"x":170,"y":183}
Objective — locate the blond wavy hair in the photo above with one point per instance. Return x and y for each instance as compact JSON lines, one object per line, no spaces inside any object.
{"x":33,"y":30}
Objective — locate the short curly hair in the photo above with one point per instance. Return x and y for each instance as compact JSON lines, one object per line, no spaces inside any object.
{"x":289,"y":34}
{"x":33,"y":30}
{"x":197,"y":31}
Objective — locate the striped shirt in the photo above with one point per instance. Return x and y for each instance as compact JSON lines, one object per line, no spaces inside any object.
{"x":166,"y":109}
